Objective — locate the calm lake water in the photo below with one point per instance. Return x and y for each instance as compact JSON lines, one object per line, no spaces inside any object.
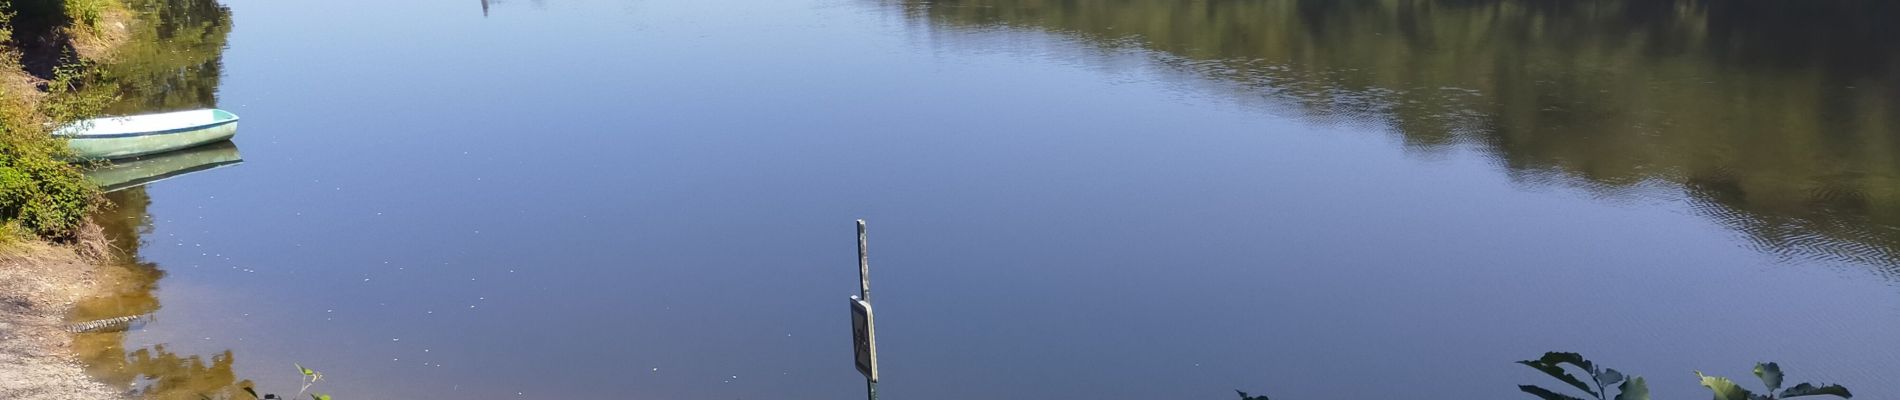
{"x":1118,"y":199}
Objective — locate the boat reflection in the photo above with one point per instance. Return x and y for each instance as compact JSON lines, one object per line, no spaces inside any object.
{"x":141,"y":171}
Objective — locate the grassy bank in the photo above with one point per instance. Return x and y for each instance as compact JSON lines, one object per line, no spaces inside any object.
{"x":45,"y":48}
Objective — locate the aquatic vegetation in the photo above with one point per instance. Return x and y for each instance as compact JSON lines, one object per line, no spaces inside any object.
{"x":310,"y":378}
{"x":1770,"y":374}
{"x":1632,"y":387}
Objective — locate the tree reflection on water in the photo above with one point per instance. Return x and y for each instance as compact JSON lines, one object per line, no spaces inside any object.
{"x":1774,"y":118}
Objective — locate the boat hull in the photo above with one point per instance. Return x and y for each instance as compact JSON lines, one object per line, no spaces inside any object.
{"x":123,"y":146}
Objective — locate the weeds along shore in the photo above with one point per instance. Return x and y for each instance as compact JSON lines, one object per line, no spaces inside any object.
{"x":51,"y":256}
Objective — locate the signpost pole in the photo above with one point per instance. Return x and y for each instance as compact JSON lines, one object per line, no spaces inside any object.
{"x":864,"y":294}
{"x":864,"y":265}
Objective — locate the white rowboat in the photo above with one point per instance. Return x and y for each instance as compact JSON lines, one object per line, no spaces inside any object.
{"x":136,"y":135}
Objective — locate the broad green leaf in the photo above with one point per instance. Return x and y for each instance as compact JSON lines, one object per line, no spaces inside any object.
{"x":1808,"y":389}
{"x":1608,"y":378}
{"x":1633,"y":389}
{"x":319,"y":396}
{"x":1770,"y":374}
{"x":1555,"y":358}
{"x":1551,"y":364}
{"x":1545,"y":394}
{"x":306,"y":371}
{"x":1724,"y":388}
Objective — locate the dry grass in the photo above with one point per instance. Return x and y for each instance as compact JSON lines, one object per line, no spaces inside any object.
{"x":96,"y":43}
{"x":17,"y":85}
{"x":39,"y":283}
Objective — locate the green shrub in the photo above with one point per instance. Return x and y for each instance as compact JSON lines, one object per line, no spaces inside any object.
{"x":86,"y":12}
{"x":59,"y":203}
{"x":39,"y":191}
{"x":15,"y":188}
{"x":42,"y":193}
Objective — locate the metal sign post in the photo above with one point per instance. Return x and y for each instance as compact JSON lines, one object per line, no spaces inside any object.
{"x":863,"y":322}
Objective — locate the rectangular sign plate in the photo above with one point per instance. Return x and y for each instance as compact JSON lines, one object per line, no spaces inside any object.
{"x":864,"y":338}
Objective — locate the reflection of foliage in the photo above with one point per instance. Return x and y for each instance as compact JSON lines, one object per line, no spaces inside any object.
{"x":156,"y":372}
{"x":1244,"y":396}
{"x":1770,"y":375}
{"x":183,"y":378}
{"x":173,"y":60}
{"x":125,"y":220}
{"x":1780,"y":130}
{"x":164,"y":374}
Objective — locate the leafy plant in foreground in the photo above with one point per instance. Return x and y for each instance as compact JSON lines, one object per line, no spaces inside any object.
{"x":310,"y":377}
{"x":1631,"y":388}
{"x":1770,"y":374}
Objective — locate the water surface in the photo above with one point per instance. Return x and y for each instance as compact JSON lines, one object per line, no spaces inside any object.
{"x":1121,"y":199}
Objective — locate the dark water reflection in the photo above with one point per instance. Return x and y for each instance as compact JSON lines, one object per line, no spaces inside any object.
{"x":1781,"y":119}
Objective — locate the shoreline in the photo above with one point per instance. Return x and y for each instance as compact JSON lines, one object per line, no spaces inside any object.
{"x":39,"y":285}
{"x":40,"y":281}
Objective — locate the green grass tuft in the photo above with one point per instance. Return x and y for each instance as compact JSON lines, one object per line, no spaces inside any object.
{"x":87,"y":12}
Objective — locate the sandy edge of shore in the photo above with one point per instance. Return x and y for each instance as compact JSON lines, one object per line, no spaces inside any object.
{"x":39,"y":283}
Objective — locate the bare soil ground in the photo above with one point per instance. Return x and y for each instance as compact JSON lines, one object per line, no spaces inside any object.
{"x":38,"y":285}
